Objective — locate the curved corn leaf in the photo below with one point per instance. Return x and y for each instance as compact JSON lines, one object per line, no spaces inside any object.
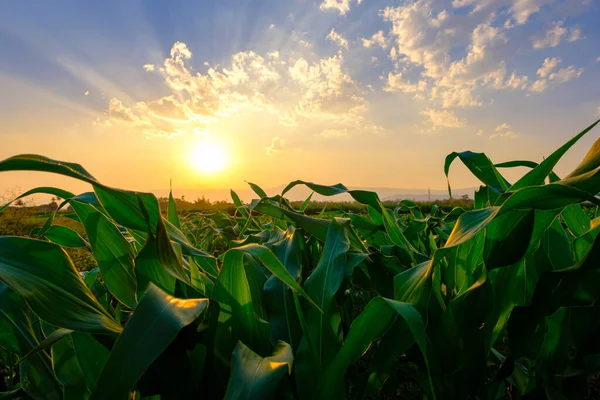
{"x":17,"y":335}
{"x":255,"y":377}
{"x":44,"y":190}
{"x":369,"y":326}
{"x":44,"y":275}
{"x":114,"y":256}
{"x":481,"y":166}
{"x":537,"y":175}
{"x":153,"y":326}
{"x":65,"y":237}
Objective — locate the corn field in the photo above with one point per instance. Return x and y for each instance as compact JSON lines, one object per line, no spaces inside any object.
{"x":496,"y":302}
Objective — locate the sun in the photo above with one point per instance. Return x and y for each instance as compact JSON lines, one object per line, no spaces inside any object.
{"x":208,"y":157}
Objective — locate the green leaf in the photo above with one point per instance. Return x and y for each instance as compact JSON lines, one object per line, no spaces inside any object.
{"x":481,"y":166}
{"x":237,"y":319}
{"x":172,"y":211}
{"x":369,"y":326}
{"x":34,"y":162}
{"x":257,"y":189}
{"x":323,"y":340}
{"x":153,"y":326}
{"x":278,"y":297}
{"x":537,"y":175}
{"x":507,"y":238}
{"x":45,"y":190}
{"x":115,"y":258}
{"x":255,"y":377}
{"x":576,"y":219}
{"x":44,"y":275}
{"x":17,"y":335}
{"x":591,"y":160}
{"x":65,"y":237}
{"x":272,"y":263}
{"x":306,"y":202}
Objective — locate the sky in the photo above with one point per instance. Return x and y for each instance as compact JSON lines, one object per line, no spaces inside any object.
{"x":369,"y":93}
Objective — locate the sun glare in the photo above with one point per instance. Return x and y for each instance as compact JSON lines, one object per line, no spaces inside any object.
{"x":208,"y":157}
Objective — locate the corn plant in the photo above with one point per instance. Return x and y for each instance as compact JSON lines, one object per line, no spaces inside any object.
{"x":496,"y":301}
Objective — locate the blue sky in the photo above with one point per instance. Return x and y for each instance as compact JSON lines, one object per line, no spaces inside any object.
{"x":369,"y":93}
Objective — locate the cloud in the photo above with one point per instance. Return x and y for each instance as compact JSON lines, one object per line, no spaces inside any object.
{"x":548,"y":74}
{"x":335,"y":133}
{"x":293,"y":90}
{"x":443,"y":119}
{"x":425,"y":37}
{"x":277,"y":145}
{"x":523,"y":9}
{"x":548,"y":65}
{"x":396,"y":83}
{"x":517,"y":82}
{"x":479,"y":132}
{"x":337,"y":39}
{"x":378,"y":39}
{"x":554,"y":35}
{"x":504,"y":131}
{"x":342,"y":6}
{"x":86,"y":93}
{"x":119,"y":112}
{"x":149,"y":67}
{"x":328,"y":91}
{"x":272,"y":26}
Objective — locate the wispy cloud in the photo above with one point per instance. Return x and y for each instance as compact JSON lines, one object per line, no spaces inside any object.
{"x":555,"y":34}
{"x":337,"y":39}
{"x":378,"y":39}
{"x":277,"y":145}
{"x":342,"y":6}
{"x":443,"y":119}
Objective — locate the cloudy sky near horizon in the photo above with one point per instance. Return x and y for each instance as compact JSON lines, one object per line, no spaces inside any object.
{"x":370,"y":93}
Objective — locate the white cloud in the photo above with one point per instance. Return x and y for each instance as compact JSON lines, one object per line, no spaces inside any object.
{"x":342,"y":6}
{"x":517,"y":82}
{"x":292,"y":89}
{"x":277,"y":145}
{"x":378,"y":39}
{"x":523,"y":9}
{"x":504,"y":131}
{"x":149,"y":67}
{"x":566,"y":74}
{"x":459,"y":96}
{"x":539,"y":86}
{"x":396,"y":83}
{"x":335,"y":133}
{"x":416,"y":29}
{"x":87,"y":93}
{"x":443,"y":119}
{"x":502,"y":127}
{"x":338,"y":39}
{"x":272,"y":26}
{"x":328,"y":91}
{"x":548,"y":66}
{"x":598,"y":59}
{"x":554,"y":35}
{"x":548,"y":74}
